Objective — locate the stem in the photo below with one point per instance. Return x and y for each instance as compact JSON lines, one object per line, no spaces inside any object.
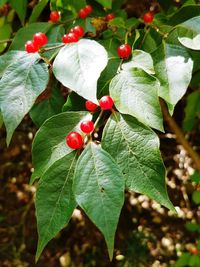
{"x":98,"y":119}
{"x":51,"y":48}
{"x":46,"y":61}
{"x":126,"y":37}
{"x":163,"y":34}
{"x":6,"y":41}
{"x":68,"y":20}
{"x":180,"y":136}
{"x":120,"y":64}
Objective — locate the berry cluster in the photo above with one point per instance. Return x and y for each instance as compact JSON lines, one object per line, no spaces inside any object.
{"x":54,"y":16}
{"x":74,"y":35}
{"x":39,"y":39}
{"x":84,"y":12}
{"x":74,"y":139}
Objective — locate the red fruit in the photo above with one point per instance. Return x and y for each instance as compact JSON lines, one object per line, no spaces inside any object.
{"x":74,"y":140}
{"x":54,"y":16}
{"x":78,"y":30}
{"x":40,"y":39}
{"x":148,"y":17}
{"x":82,"y":13}
{"x":110,"y":16}
{"x":31,"y":47}
{"x":88,"y":9}
{"x":106,"y":102}
{"x":124,"y":51}
{"x":70,"y":38}
{"x":87,"y":126}
{"x":194,"y":251}
{"x":198,"y":187}
{"x":90,"y":106}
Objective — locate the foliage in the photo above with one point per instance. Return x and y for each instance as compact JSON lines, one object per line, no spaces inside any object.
{"x":125,"y":155}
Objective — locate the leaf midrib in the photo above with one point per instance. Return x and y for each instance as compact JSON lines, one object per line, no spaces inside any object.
{"x":129,"y":148}
{"x":59,"y":196}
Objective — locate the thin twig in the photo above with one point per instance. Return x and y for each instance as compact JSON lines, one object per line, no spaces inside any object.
{"x":6,"y":41}
{"x":180,"y":136}
{"x":51,"y":48}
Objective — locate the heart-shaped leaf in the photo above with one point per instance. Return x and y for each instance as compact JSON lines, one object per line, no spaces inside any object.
{"x":24,"y":78}
{"x":136,"y":93}
{"x":99,"y":190}
{"x":189,"y":33}
{"x":173,"y":66}
{"x":135,"y":148}
{"x":49,"y":144}
{"x":79,"y":65}
{"x":55,"y":201}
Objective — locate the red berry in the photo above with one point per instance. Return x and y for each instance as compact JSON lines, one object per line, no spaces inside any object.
{"x":40,"y":39}
{"x":124,"y":51}
{"x":74,"y":140}
{"x":70,"y":38}
{"x":82,"y":13}
{"x":110,"y":16}
{"x":148,"y":17}
{"x":88,"y":9}
{"x":78,"y":30}
{"x":106,"y":102}
{"x":194,"y":251}
{"x":90,"y":105}
{"x":54,"y":16}
{"x":87,"y":126}
{"x":198,"y":187}
{"x":31,"y":47}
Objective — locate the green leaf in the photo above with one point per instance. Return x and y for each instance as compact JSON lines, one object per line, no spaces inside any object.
{"x":20,"y":6}
{"x":132,"y":23}
{"x":192,"y":227}
{"x":79,"y":65}
{"x":47,"y":108}
{"x":135,"y":93}
{"x":5,"y":33}
{"x":77,"y":5}
{"x":49,"y":144}
{"x":23,"y":80}
{"x":173,"y":66}
{"x":183,"y":260}
{"x":109,"y":72}
{"x":55,"y":201}
{"x":194,"y":261}
{"x":135,"y":148}
{"x":7,"y":59}
{"x":196,"y":197}
{"x":142,"y":60}
{"x":99,"y":190}
{"x":183,"y":14}
{"x":74,"y":103}
{"x":106,"y":76}
{"x":149,"y":41}
{"x":37,"y":10}
{"x":117,"y":22}
{"x":195,"y":177}
{"x":2,"y":2}
{"x":54,"y":36}
{"x":105,"y":3}
{"x":192,"y":110}
{"x":189,"y":33}
{"x":26,"y":33}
